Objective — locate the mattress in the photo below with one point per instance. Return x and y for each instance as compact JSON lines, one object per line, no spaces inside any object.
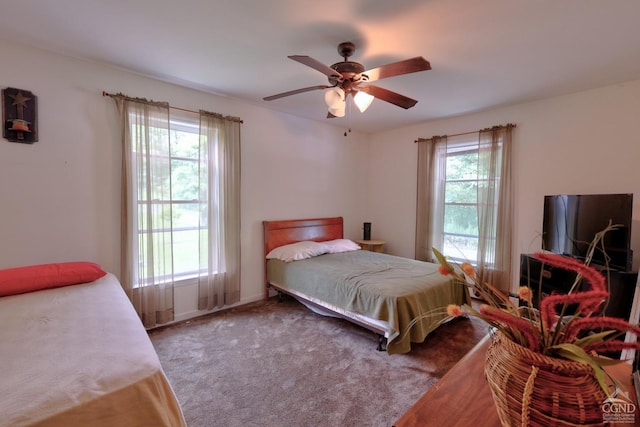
{"x":79,"y":356}
{"x":390,"y":289}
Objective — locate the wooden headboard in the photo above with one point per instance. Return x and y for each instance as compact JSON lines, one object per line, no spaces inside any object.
{"x":279,"y":233}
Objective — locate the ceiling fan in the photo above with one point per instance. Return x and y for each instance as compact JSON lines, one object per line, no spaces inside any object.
{"x":350,"y":78}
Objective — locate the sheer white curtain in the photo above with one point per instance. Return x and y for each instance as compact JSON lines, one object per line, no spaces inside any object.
{"x":430,"y":199}
{"x":495,"y":206}
{"x":219,"y":282}
{"x":146,"y":246}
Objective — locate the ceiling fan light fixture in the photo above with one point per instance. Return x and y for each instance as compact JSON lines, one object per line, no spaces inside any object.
{"x":334,"y":97}
{"x":363,"y":100}
{"x":345,"y":78}
{"x":339,"y":111}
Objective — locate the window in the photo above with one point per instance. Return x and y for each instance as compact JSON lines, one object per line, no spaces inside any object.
{"x":180,"y":206}
{"x":464,"y":195}
{"x":464,"y":203}
{"x":178,"y":199}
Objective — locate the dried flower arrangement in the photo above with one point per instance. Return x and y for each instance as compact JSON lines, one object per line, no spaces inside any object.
{"x":581,"y":336}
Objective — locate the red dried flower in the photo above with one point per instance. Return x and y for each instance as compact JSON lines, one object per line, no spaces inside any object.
{"x":611,"y":346}
{"x":589,"y":301}
{"x":595,"y":279}
{"x":595,"y":323}
{"x":515,"y":323}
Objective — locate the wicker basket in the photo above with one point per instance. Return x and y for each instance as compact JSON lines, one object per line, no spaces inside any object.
{"x":531,"y":389}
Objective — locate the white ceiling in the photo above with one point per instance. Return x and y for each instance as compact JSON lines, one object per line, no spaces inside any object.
{"x":483,"y":53}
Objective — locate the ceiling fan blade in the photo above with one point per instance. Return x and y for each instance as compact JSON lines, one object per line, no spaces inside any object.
{"x":294,"y":92}
{"x":389,"y":96}
{"x":407,"y":66}
{"x":316,"y":65}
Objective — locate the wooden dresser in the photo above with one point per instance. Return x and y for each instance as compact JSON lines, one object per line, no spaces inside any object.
{"x":462,"y":397}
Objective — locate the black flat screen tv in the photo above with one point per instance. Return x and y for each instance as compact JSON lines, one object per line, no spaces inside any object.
{"x":572,"y":221}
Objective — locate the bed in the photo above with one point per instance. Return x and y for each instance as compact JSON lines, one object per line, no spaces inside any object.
{"x":380,"y":292}
{"x":77,"y":354}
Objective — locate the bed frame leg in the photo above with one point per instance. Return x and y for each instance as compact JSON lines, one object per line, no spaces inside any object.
{"x":381,"y":343}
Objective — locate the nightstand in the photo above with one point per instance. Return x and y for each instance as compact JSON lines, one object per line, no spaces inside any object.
{"x":373,"y":245}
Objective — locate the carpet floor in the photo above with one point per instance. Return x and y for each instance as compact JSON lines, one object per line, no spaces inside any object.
{"x":276,"y":363}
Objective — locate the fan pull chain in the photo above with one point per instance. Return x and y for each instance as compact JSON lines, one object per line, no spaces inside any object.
{"x":349,"y":116}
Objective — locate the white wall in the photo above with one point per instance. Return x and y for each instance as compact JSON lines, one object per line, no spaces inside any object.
{"x":60,"y":197}
{"x":582,"y":143}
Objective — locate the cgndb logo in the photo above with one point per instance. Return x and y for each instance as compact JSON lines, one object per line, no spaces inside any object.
{"x":616,"y":410}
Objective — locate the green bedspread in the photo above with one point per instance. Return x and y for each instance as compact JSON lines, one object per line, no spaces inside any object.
{"x":380,"y":286}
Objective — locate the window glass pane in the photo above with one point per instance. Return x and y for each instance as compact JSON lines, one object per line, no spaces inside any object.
{"x":161,"y":253}
{"x":461,"y":192}
{"x":461,"y":219}
{"x":152,"y":140}
{"x":160,"y":213}
{"x":461,"y":248}
{"x":158,"y":168}
{"x":462,"y":165}
{"x":159,"y":144}
{"x":204,"y":247}
{"x":142,"y":217}
{"x":141,"y":186}
{"x":184,"y":144}
{"x":485,"y":161}
{"x":161,"y":188}
{"x":185,"y":252}
{"x":184,"y":177}
{"x":185,"y":215}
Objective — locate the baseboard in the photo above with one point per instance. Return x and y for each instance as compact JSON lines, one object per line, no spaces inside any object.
{"x":197,"y":313}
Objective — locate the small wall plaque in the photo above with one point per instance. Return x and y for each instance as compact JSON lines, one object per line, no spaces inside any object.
{"x":19,"y":115}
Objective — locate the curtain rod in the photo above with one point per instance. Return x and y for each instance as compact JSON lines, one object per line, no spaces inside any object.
{"x":464,"y":133}
{"x":111,"y":95}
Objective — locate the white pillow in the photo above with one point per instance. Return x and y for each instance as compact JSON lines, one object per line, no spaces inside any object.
{"x":297,"y":251}
{"x":341,"y":245}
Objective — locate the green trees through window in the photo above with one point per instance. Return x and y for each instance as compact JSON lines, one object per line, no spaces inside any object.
{"x":462,"y":183}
